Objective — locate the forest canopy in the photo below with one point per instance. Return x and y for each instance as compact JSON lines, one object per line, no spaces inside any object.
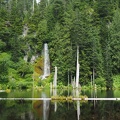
{"x":93,"y":25}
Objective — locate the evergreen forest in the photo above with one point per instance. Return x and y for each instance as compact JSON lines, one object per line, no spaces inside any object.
{"x":93,"y":25}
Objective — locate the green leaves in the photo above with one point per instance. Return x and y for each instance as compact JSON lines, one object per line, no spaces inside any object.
{"x":115,"y":42}
{"x":92,"y":25}
{"x":42,"y":31}
{"x":4,"y":65}
{"x":2,"y":44}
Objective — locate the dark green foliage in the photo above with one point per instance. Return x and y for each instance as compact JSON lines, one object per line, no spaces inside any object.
{"x":4,"y":65}
{"x":115,"y":42}
{"x":64,"y":25}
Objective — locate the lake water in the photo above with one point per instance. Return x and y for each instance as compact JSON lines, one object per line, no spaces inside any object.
{"x":59,"y":110}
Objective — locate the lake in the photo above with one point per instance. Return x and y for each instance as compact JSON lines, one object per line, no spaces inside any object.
{"x":21,"y":109}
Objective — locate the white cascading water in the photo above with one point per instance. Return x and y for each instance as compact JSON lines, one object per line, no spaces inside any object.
{"x":46,"y":71}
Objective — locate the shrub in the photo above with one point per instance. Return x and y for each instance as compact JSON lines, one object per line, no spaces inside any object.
{"x":116,"y":81}
{"x":100,"y":82}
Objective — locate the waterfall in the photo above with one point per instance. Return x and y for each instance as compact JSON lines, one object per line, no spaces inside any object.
{"x":46,"y":62}
{"x":77,"y":68}
{"x":55,"y":78}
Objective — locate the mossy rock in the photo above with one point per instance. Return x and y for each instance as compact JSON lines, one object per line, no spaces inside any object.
{"x":39,"y":66}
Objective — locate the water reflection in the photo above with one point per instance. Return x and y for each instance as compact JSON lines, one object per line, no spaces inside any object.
{"x":42,"y":108}
{"x":78,"y":104}
{"x":78,"y":110}
{"x":49,"y":110}
{"x":16,"y":110}
{"x":55,"y":103}
{"x":94,"y":95}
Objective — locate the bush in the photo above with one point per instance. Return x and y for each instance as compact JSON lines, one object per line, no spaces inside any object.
{"x":46,"y":82}
{"x":100,"y":82}
{"x":116,"y":81}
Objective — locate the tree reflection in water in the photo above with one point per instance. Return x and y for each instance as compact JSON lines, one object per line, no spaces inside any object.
{"x":46,"y":110}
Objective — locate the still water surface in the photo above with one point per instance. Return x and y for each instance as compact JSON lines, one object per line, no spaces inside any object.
{"x":59,"y":110}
